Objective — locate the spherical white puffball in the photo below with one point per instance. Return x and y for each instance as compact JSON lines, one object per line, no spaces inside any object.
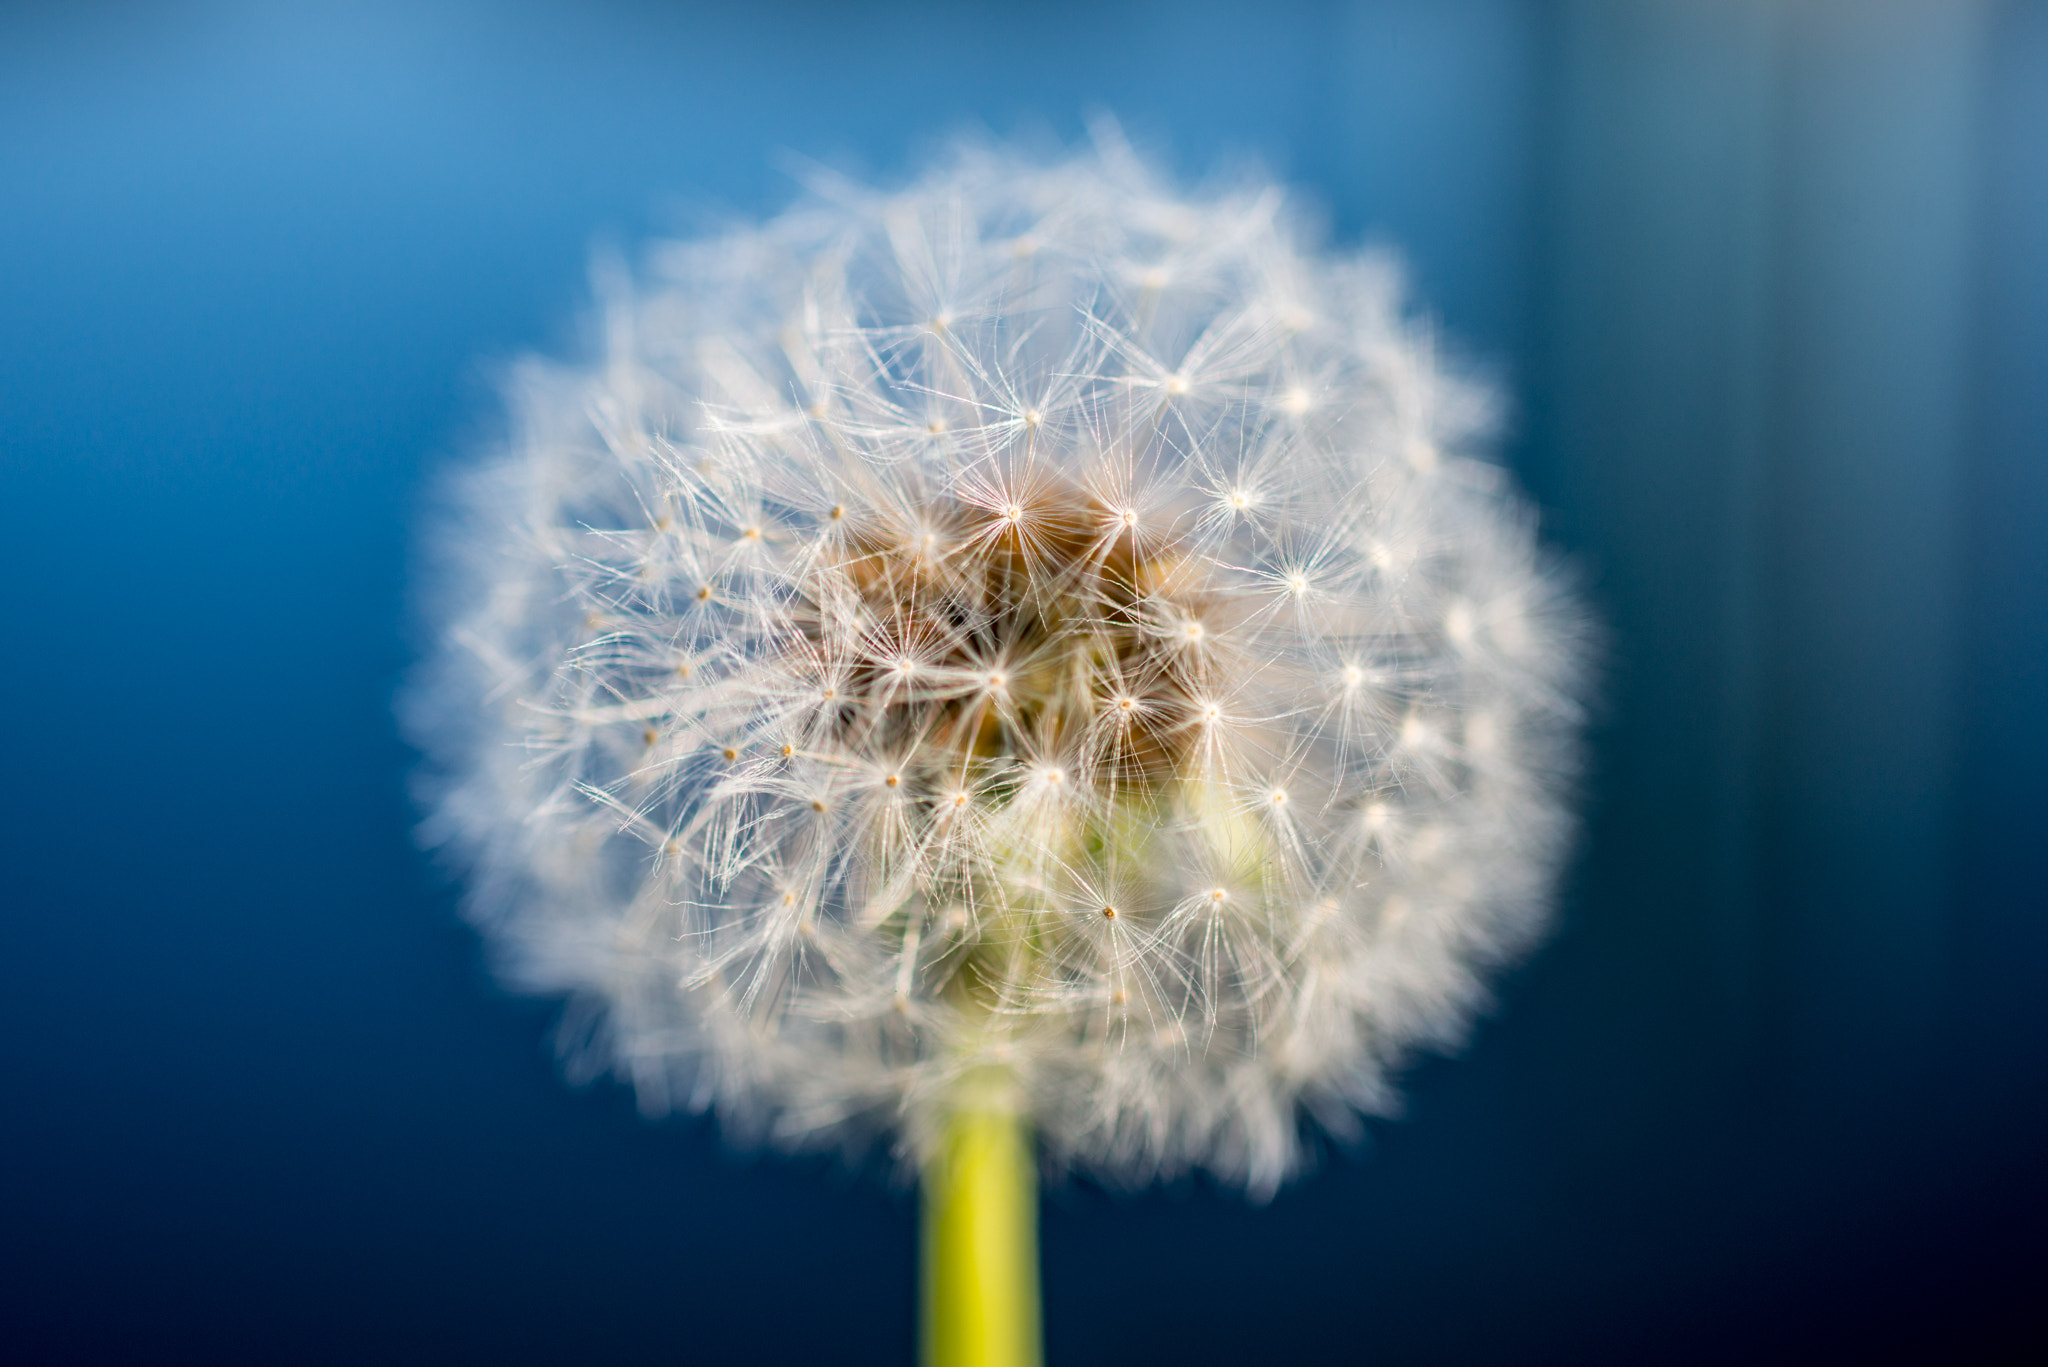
{"x":1040,"y":625}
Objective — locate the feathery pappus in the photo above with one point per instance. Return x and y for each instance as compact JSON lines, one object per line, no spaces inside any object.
{"x":1039,"y":629}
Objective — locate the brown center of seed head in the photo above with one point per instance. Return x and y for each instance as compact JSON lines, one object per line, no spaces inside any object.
{"x":1045,"y":626}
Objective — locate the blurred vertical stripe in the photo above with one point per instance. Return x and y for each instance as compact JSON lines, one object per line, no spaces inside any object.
{"x":2001,"y":848}
{"x":1788,"y":379}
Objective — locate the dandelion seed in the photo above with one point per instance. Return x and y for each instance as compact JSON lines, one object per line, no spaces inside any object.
{"x":1459,"y":625}
{"x":1151,"y":684}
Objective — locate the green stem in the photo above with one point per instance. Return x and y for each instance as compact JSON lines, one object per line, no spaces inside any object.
{"x":981,"y":1243}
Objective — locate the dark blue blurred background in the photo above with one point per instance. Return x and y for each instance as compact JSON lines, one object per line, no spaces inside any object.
{"x":1768,"y":280}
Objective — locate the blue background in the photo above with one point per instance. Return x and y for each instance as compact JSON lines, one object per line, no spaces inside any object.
{"x":1768,"y":281}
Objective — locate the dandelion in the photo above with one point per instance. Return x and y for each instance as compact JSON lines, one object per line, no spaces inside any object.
{"x":1032,"y":654}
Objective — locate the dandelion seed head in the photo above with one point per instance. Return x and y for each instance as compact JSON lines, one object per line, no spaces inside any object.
{"x":971,"y":703}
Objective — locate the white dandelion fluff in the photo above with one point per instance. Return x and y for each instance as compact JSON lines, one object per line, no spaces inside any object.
{"x":1036,"y":625}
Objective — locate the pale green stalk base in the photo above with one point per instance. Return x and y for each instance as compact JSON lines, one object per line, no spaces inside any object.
{"x":981,"y":1244}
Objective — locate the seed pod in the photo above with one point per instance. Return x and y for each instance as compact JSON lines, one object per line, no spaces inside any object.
{"x":1033,"y":622}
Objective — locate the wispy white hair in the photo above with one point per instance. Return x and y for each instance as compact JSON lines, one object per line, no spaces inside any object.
{"x":1037,"y":624}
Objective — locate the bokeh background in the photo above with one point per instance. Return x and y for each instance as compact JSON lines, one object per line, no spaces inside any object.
{"x":1768,"y":283}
